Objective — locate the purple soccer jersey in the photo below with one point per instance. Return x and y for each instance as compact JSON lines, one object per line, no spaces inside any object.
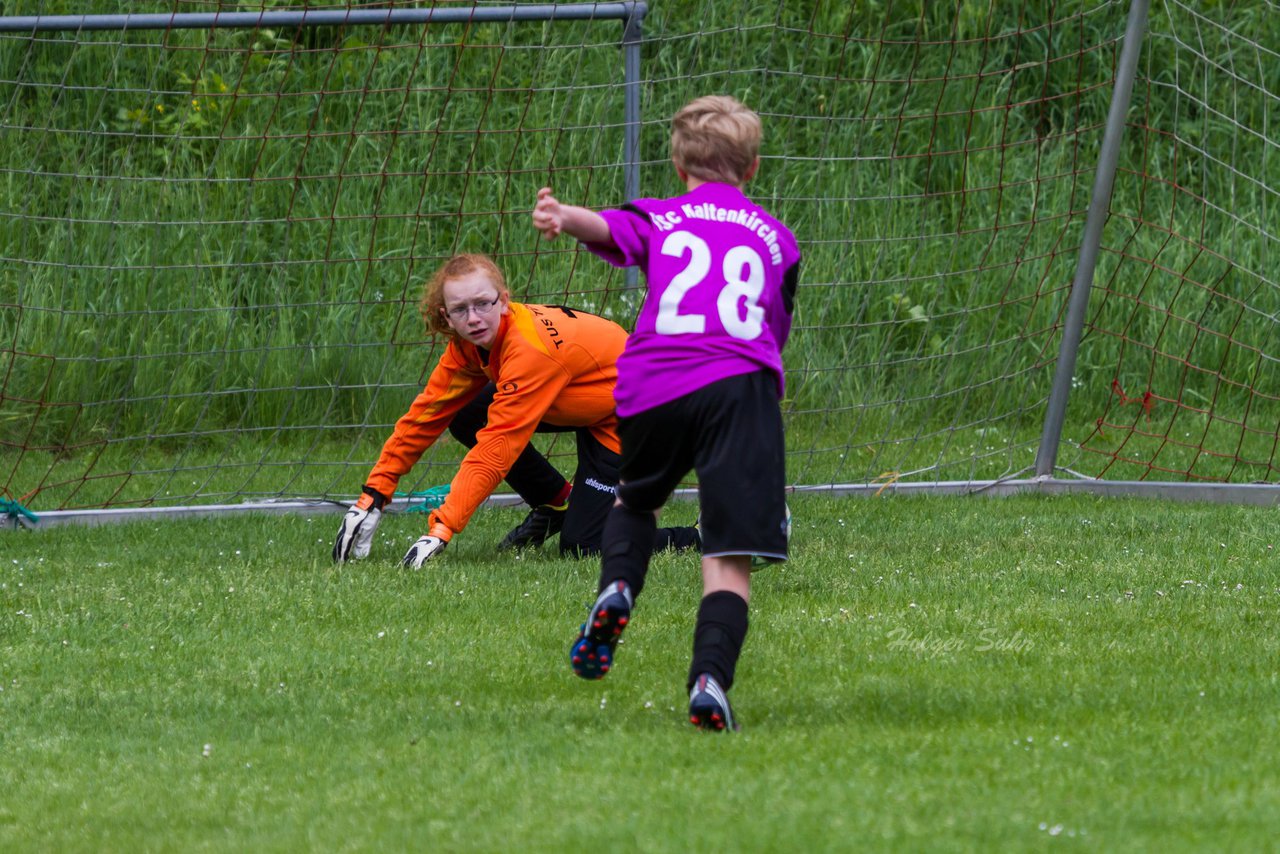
{"x":722,"y":276}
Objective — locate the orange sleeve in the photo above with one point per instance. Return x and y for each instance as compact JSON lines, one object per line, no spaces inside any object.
{"x":452,"y":385}
{"x":528,"y":384}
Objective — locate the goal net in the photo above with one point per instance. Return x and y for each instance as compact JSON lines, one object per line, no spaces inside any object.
{"x":213,"y":238}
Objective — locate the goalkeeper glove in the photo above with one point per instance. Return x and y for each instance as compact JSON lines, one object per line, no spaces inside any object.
{"x":356,"y":534}
{"x":428,"y":547}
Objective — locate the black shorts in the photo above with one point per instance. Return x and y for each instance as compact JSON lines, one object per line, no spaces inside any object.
{"x":730,"y":433}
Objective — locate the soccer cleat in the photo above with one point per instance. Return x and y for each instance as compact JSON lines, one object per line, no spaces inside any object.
{"x":591,"y":655}
{"x":542,"y":522}
{"x":709,"y":706}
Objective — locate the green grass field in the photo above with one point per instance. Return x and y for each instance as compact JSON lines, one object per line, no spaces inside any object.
{"x":925,"y":674}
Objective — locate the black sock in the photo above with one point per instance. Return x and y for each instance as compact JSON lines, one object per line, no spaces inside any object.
{"x":718,"y":637}
{"x":626,"y":545}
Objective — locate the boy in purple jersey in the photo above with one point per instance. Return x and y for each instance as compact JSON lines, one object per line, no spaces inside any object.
{"x":698,"y":387}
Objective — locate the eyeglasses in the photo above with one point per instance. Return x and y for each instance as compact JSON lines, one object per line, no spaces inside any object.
{"x":483,"y":308}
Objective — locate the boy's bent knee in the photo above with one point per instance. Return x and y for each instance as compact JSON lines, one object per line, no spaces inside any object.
{"x":639,"y":499}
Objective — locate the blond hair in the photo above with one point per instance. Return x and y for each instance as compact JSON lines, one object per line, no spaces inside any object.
{"x":432,"y":302}
{"x":716,"y":138}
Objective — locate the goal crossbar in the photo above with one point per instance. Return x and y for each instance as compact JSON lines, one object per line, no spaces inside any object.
{"x":629,"y":12}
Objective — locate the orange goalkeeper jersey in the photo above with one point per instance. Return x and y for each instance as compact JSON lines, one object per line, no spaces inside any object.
{"x":549,"y":363}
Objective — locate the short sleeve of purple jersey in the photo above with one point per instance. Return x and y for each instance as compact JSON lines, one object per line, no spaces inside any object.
{"x":630,"y":229}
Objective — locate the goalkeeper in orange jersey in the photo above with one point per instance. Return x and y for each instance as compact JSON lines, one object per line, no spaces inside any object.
{"x":508,"y":371}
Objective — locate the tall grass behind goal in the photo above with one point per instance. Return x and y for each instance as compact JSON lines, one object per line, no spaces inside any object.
{"x":214,"y":240}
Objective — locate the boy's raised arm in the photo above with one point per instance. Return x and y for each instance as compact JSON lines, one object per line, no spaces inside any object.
{"x":551,"y":218}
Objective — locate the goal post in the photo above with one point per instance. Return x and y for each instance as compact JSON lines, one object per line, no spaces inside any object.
{"x":215,"y":225}
{"x":1099,"y":202}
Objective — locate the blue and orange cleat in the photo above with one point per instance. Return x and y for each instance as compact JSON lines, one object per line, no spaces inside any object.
{"x":591,"y":655}
{"x":709,"y":705}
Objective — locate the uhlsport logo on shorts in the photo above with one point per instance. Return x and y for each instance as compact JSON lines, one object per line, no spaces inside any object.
{"x":602,"y":487}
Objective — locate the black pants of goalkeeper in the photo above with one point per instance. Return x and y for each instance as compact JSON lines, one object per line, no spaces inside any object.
{"x":538,"y":482}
